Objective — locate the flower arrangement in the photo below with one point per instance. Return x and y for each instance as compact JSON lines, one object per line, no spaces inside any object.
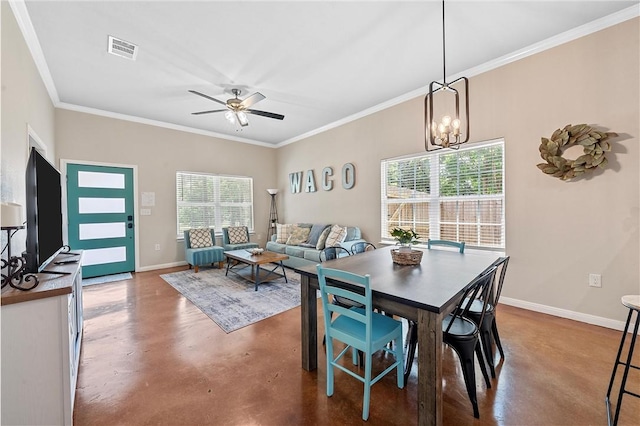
{"x":404,"y":236}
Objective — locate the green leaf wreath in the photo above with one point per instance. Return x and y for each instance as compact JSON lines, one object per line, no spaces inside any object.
{"x":594,"y":143}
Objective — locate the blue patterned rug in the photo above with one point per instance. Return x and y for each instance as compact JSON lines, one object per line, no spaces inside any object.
{"x":231,"y":301}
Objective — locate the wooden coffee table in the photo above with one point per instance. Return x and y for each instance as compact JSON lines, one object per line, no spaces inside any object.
{"x":258,"y":275}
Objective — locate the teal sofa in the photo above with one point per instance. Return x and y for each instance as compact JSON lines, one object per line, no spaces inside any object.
{"x":300,"y":255}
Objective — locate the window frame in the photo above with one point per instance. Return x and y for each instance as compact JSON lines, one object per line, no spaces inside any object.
{"x":217,"y":203}
{"x":434,"y":199}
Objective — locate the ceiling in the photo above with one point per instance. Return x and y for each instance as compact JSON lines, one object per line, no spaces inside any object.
{"x":318,"y":63}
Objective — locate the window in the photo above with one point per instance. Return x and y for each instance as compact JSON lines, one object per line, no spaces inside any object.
{"x":205,"y":200}
{"x":448,"y":195}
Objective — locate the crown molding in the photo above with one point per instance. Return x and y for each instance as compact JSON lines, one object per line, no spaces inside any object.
{"x":565,"y":37}
{"x":24,"y":22}
{"x":156,"y":123}
{"x":21,"y":14}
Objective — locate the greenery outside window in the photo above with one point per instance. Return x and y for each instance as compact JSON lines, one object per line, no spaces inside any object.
{"x":206,"y":200}
{"x":449,"y":195}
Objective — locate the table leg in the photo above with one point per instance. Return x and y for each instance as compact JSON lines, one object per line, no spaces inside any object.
{"x":257,"y":277}
{"x":429,"y":368}
{"x":309,"y":309}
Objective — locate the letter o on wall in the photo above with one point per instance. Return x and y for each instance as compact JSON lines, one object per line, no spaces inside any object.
{"x":348,"y":176}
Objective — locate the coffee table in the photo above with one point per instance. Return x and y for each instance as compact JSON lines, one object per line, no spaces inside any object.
{"x":259,"y":275}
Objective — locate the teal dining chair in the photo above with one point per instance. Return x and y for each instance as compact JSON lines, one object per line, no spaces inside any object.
{"x":359,"y":328}
{"x":457,"y":244}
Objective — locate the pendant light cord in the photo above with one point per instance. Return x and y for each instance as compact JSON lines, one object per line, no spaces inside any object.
{"x":444,"y":61}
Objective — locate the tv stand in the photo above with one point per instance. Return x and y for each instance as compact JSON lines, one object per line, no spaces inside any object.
{"x":41,"y":340}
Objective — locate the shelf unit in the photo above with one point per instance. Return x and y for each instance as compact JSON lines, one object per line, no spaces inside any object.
{"x":41,"y":340}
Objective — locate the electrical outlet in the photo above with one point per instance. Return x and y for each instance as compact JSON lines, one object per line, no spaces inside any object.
{"x":595,"y":280}
{"x":157,"y":246}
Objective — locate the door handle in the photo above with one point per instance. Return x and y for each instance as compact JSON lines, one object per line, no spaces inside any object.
{"x":129,"y":225}
{"x":129,"y":218}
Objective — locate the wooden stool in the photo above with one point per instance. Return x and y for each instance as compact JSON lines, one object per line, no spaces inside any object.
{"x":633,"y":303}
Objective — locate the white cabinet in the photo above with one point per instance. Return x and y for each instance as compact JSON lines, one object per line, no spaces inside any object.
{"x":41,"y":338}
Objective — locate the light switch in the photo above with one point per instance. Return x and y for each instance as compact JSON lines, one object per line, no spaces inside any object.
{"x":145,"y":212}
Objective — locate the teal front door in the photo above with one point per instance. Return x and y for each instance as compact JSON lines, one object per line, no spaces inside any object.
{"x":100,"y":217}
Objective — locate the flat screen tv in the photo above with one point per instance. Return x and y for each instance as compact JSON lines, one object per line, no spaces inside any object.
{"x":44,"y":212}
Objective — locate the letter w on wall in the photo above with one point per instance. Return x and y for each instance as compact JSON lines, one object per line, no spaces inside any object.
{"x":295,"y":179}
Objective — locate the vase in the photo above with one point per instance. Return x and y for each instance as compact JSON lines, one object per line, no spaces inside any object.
{"x":405,"y":248}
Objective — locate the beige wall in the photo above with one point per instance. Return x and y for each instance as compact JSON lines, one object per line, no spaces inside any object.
{"x":557,"y":232}
{"x":25,"y":101}
{"x":158,"y":153}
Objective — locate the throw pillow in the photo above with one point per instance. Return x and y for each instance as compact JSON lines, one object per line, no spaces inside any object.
{"x":323,"y":238}
{"x":200,"y":237}
{"x":314,"y":235}
{"x":336,"y":236}
{"x":237,"y":234}
{"x":283,"y":231}
{"x":298,"y":235}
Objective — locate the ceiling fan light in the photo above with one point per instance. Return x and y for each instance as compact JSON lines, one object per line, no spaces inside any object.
{"x":242,"y":118}
{"x":230,"y":116}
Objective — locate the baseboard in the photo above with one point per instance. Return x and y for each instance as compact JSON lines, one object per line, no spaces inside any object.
{"x":564,"y":313}
{"x":162,"y":266}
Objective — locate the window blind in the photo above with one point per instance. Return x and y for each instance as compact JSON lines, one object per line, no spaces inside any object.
{"x":450,"y":195}
{"x":206,"y":200}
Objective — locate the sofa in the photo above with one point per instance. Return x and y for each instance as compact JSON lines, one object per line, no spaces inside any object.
{"x":304,"y":242}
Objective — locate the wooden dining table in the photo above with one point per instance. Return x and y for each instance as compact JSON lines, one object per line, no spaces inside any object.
{"x":423,"y":293}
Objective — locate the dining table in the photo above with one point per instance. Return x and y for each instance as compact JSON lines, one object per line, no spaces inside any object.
{"x":424,"y":293}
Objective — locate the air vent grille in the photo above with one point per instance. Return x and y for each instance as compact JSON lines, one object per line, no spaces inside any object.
{"x":122,"y":48}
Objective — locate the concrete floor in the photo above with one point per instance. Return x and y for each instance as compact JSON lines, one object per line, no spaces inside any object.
{"x":149,"y":356}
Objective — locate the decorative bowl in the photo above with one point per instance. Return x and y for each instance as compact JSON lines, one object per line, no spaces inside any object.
{"x":255,"y":251}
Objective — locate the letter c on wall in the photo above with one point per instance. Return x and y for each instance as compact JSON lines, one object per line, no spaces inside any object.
{"x":327,"y":184}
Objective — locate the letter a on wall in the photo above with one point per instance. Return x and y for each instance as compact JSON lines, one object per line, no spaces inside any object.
{"x":310,"y":185}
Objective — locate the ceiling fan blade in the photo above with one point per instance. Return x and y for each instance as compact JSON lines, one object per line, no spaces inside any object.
{"x":265,"y":114}
{"x":208,"y":112}
{"x":253,"y":99}
{"x":208,"y":97}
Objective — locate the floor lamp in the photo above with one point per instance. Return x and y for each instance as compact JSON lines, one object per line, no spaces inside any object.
{"x":273,"y":214}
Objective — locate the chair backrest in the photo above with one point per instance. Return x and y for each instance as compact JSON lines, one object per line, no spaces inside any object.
{"x":456,"y":244}
{"x":331,"y":253}
{"x":187,"y":240}
{"x":225,"y":234}
{"x":361,"y":247}
{"x":501,"y":265}
{"x":360,"y":295}
{"x":480,"y":288}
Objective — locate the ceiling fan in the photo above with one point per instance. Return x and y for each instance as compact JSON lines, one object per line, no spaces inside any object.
{"x":237,"y":109}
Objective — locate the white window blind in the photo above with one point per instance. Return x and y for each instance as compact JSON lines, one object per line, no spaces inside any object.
{"x":205,"y":200}
{"x":448,"y":195}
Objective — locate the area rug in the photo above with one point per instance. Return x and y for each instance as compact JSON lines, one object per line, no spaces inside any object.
{"x":230,"y":301}
{"x":106,"y":279}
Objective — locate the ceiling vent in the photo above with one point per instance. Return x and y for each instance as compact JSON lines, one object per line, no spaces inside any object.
{"x":122,"y":48}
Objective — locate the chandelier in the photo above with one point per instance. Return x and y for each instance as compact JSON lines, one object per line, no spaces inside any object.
{"x":452,"y":129}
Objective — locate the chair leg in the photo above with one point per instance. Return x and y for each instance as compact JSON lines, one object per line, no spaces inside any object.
{"x":400,"y":368}
{"x":496,"y":337}
{"x":412,"y":343}
{"x":465,"y":351}
{"x":197,"y":268}
{"x":367,"y":387}
{"x":487,"y":344}
{"x":329,"y":368}
{"x":483,"y":366}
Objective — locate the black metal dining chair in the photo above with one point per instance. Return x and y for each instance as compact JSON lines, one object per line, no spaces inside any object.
{"x":487,"y":324}
{"x":463,"y":335}
{"x":361,"y":247}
